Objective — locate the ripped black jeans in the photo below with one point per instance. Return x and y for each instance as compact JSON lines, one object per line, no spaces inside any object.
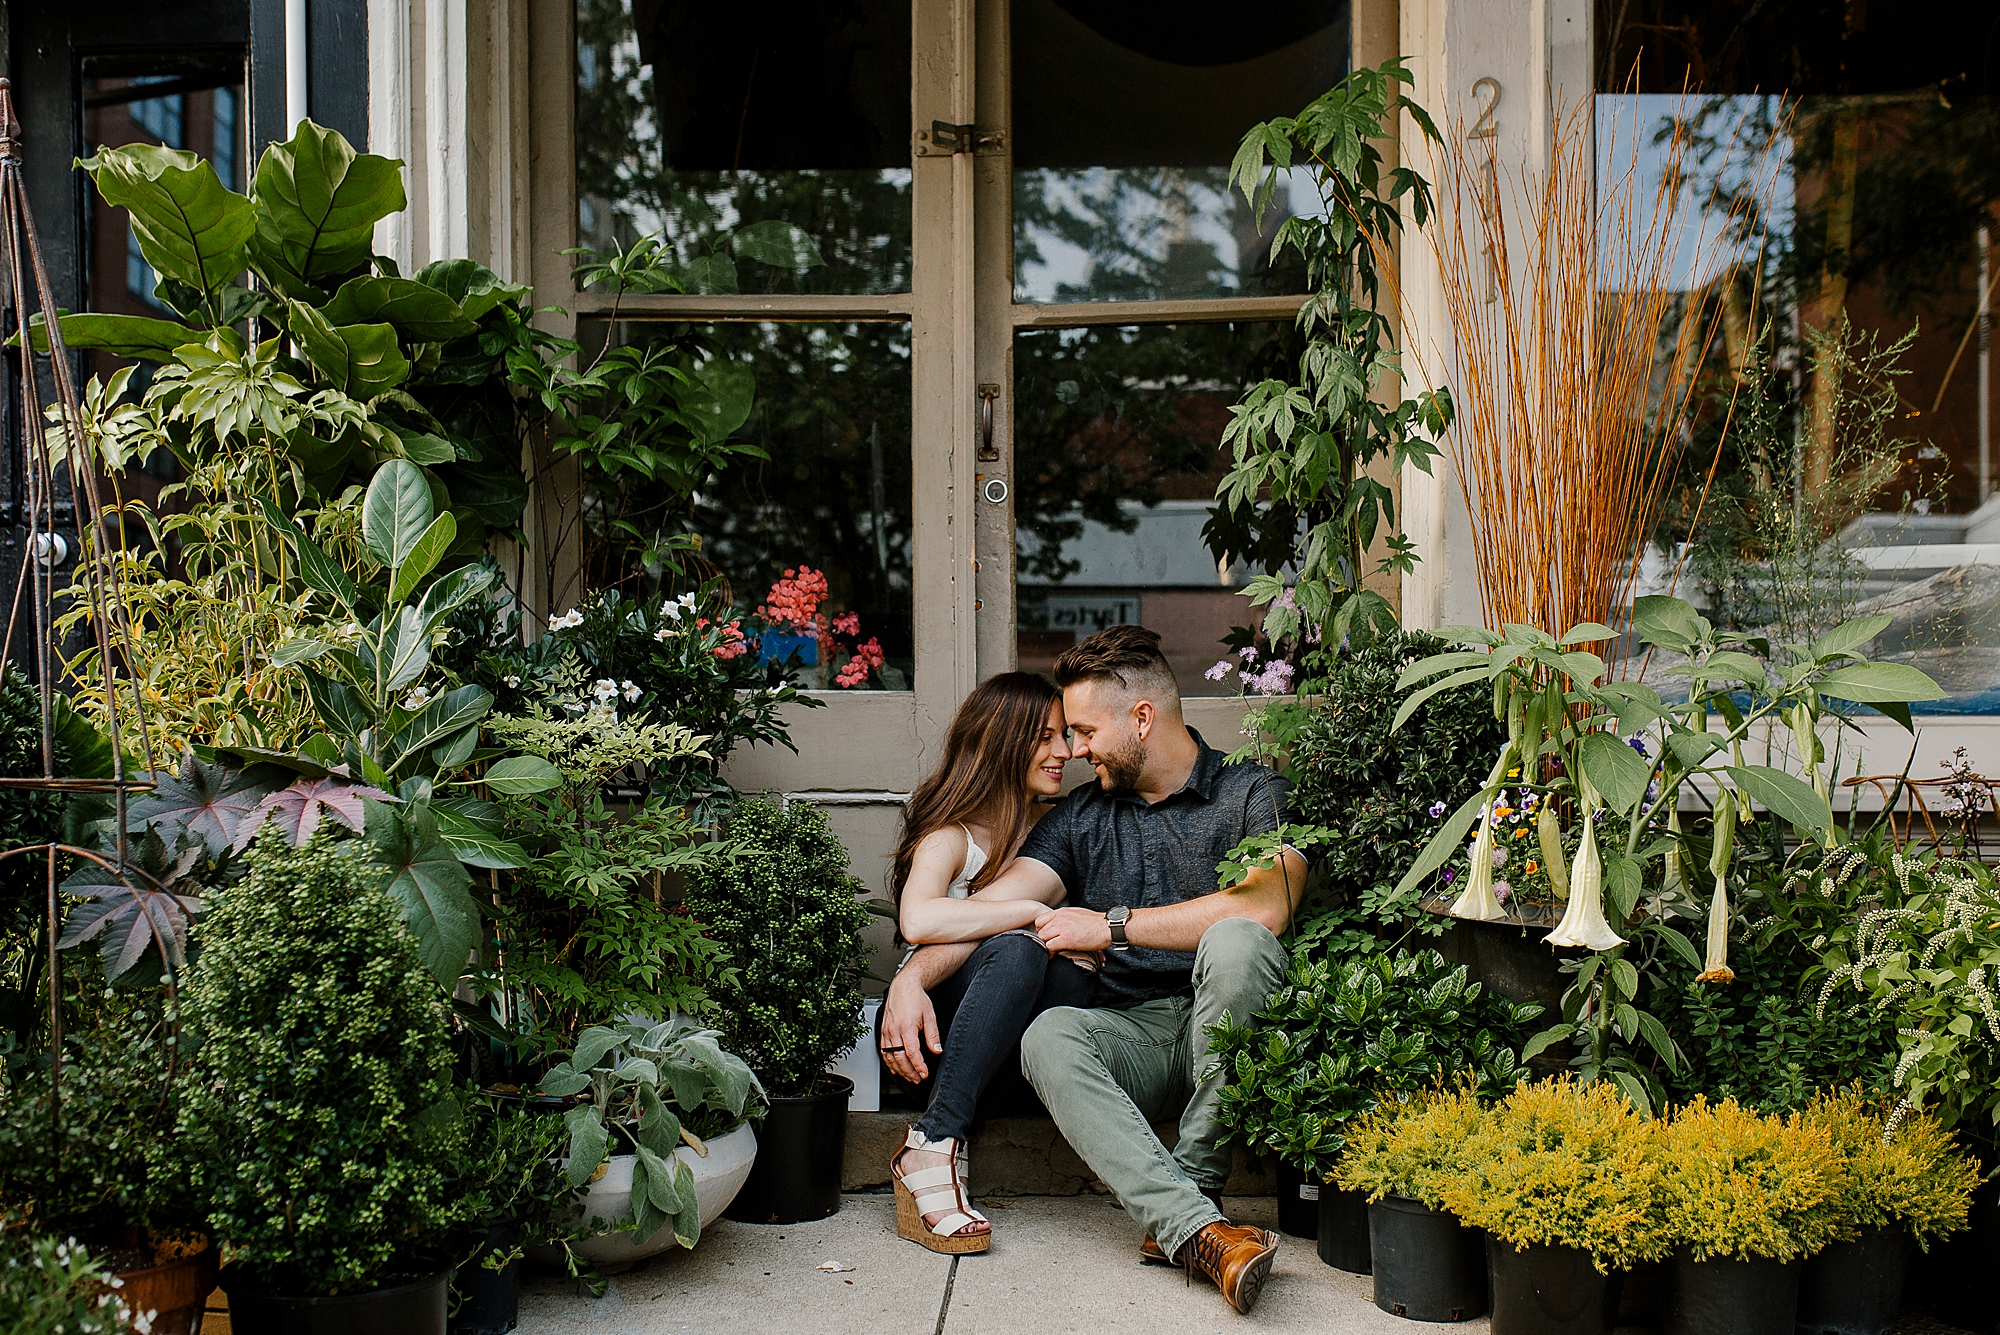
{"x":982,"y":1011}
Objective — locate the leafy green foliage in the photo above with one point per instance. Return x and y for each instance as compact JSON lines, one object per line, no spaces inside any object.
{"x":790,"y":916}
{"x":1560,"y":1164}
{"x":307,"y":1115}
{"x":1303,"y":449}
{"x":1411,"y":1145}
{"x":53,"y":1286}
{"x":1336,"y":1038}
{"x":646,"y":1084}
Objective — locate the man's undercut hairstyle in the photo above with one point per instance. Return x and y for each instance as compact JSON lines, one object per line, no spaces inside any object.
{"x":1127,"y":655}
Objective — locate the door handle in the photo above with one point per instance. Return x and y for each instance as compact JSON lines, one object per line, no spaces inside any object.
{"x":987,"y":453}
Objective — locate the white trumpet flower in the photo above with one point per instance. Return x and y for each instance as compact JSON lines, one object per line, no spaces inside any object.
{"x":1715,"y":965}
{"x":1478,"y":901}
{"x":1583,"y":922}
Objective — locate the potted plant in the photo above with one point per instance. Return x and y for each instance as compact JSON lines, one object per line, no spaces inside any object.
{"x":310,"y":1114}
{"x":662,"y":1142}
{"x":1332,"y":1040}
{"x":1428,"y":1265}
{"x":1740,"y":1199}
{"x":509,"y":1187}
{"x":1897,"y":1178}
{"x":1560,"y":1177}
{"x":789,"y":913}
{"x":53,"y":1286}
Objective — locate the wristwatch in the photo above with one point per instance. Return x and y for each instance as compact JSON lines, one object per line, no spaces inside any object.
{"x":1116,"y":918}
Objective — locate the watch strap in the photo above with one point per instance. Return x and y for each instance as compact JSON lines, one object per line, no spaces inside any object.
{"x":1116,"y":918}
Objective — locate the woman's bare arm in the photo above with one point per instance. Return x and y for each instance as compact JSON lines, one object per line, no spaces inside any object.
{"x":930,"y":916}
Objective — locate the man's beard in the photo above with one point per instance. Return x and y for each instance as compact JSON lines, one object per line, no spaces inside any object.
{"x":1123,"y":767}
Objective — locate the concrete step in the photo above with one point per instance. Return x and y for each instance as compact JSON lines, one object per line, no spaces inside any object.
{"x":1011,"y":1156}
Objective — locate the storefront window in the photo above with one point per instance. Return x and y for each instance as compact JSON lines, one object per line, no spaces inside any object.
{"x":1116,"y":433}
{"x":1848,"y":416}
{"x":1125,"y":120}
{"x":699,"y":120}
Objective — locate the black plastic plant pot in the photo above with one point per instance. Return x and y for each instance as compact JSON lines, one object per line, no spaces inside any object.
{"x":415,"y":1307}
{"x":1343,"y":1230}
{"x":1726,"y":1296}
{"x":1428,"y":1266}
{"x":1298,"y":1202}
{"x":1543,"y":1290}
{"x":489,"y":1301}
{"x":1854,"y":1288}
{"x":797,"y":1173}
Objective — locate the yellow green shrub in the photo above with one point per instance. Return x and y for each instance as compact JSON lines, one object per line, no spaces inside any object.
{"x":1734,"y":1184}
{"x":1909,"y":1173}
{"x":1563,"y":1165}
{"x":1410,"y":1147}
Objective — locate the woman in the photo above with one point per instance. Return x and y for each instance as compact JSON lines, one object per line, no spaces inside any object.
{"x":1003,"y":757}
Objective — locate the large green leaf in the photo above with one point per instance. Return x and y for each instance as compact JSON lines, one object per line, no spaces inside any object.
{"x":442,"y":717}
{"x":521,"y":776}
{"x":1666,"y":621}
{"x":452,"y":591}
{"x":726,"y":391}
{"x":1789,"y":797}
{"x":1615,"y":770}
{"x":474,"y":844}
{"x":361,"y":360}
{"x":341,"y":710}
{"x":1849,"y":636}
{"x":588,"y":1142}
{"x":190,"y":226}
{"x":317,"y":205}
{"x":396,"y":511}
{"x":1876,"y":683}
{"x":776,"y":243}
{"x":473,"y":287}
{"x":429,"y":885}
{"x":429,"y":549}
{"x":406,"y":651}
{"x":419,"y":311}
{"x":135,"y":336}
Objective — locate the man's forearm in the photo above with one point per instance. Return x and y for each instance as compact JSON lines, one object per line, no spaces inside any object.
{"x":1267,"y":895}
{"x":931,"y":965}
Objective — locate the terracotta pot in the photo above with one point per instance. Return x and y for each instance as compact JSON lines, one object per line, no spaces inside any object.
{"x":177,"y":1290}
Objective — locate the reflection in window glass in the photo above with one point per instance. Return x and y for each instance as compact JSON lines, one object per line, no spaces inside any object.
{"x":1855,"y":473}
{"x":700,"y":120}
{"x":1116,"y":457}
{"x":1125,"y":120}
{"x":832,"y":414}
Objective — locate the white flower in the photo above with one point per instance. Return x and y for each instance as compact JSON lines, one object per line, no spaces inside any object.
{"x":417,"y":699}
{"x":630,"y":690}
{"x":687,"y":601}
{"x":1477,"y":901}
{"x":1583,"y":922}
{"x":571,"y":618}
{"x":671,"y":610}
{"x":513,"y":683}
{"x":663,"y":633}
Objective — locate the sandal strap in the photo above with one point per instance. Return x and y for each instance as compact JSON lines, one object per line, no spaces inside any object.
{"x":941,"y":1187}
{"x":951,"y":1224}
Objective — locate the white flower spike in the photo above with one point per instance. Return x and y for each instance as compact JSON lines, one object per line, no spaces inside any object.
{"x":1478,"y":901}
{"x":1715,"y":965}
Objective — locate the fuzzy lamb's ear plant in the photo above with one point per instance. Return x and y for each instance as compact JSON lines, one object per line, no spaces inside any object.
{"x":1583,"y":922}
{"x":1715,"y":966}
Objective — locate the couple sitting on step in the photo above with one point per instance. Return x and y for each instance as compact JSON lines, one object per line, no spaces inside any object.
{"x":1090,"y":932}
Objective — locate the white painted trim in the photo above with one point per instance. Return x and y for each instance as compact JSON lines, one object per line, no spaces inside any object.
{"x":296,"y":69}
{"x":1941,"y":556}
{"x":446,"y":215}
{"x":389,"y":116}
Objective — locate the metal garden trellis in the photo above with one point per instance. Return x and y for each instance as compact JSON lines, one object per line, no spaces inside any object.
{"x":97,"y":578}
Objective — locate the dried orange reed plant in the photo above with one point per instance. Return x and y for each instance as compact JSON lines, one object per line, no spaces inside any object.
{"x":1573,"y":398}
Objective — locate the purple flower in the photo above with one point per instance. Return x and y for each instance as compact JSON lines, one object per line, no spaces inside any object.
{"x":1637,"y":744}
{"x":1220,"y":670}
{"x":1502,"y":891}
{"x":1276,"y":678}
{"x":1499,"y":858}
{"x":1285,"y":600}
{"x":1248,"y":653}
{"x":1437,"y":809}
{"x":1449,"y":876}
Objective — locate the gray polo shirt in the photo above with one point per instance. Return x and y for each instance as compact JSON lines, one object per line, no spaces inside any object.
{"x":1115,"y":848}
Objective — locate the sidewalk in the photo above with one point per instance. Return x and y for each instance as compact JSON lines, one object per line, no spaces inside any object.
{"x":1058,"y":1264}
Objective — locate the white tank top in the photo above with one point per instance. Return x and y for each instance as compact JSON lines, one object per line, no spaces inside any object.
{"x":975,"y":862}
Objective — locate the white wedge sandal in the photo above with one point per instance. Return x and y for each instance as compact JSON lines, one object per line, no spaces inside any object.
{"x":929,"y":1190}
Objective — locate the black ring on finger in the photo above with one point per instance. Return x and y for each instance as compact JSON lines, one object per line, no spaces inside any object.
{"x":892,"y":1049}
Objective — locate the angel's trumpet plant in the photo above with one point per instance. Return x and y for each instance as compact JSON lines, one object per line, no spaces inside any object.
{"x":1549,"y":833}
{"x":1673,"y":881}
{"x":1806,"y":738}
{"x":1583,"y":922}
{"x":1477,"y":901}
{"x":1715,"y":966}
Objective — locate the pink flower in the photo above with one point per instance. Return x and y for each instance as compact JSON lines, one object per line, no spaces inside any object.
{"x":1502,"y":891}
{"x":794,"y":601}
{"x":1248,"y":653}
{"x":849,"y":624}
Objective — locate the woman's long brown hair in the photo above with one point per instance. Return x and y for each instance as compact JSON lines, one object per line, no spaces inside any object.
{"x":984,"y":771}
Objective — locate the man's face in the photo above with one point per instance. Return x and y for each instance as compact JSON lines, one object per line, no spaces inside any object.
{"x":1108,"y":728}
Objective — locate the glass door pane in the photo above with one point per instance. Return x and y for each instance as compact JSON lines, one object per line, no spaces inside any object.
{"x":702,"y":120}
{"x":1125,"y":119}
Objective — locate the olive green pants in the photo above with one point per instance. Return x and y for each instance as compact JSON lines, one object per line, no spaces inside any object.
{"x":1107,"y":1075}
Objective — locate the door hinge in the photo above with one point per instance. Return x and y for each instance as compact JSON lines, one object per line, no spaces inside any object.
{"x":944,"y":139}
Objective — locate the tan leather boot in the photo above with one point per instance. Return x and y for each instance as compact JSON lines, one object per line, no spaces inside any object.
{"x":1236,"y":1256}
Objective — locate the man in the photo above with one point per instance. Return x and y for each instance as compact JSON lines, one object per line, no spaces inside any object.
{"x":1135,"y":856}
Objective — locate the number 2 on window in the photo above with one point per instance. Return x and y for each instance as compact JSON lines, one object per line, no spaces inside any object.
{"x":1485,"y":127}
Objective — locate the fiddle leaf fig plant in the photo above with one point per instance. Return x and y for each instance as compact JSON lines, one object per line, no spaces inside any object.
{"x":648,"y":1087}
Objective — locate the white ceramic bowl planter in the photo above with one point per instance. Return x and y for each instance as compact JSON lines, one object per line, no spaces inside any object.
{"x":717,"y":1179}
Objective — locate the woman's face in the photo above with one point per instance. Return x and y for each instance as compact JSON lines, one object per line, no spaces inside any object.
{"x":1046,"y":769}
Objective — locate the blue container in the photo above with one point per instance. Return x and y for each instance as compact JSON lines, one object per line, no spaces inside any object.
{"x":775,"y":646}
